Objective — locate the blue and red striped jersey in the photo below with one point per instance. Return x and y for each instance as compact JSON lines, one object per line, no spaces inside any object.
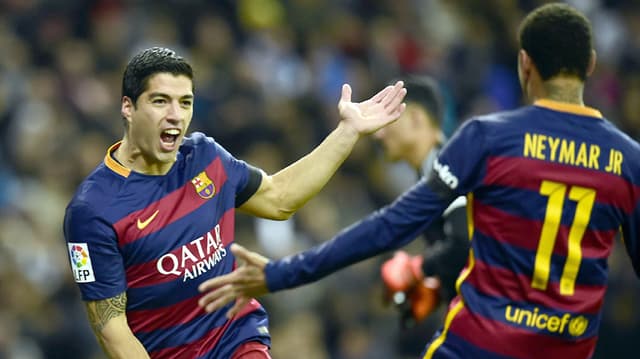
{"x":157,"y":238}
{"x":549,"y":186}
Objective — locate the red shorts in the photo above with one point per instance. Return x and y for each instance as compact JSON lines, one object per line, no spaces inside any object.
{"x":252,"y":350}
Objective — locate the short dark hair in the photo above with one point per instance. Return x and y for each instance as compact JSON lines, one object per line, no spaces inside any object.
{"x":425,"y":91}
{"x":558,"y":39}
{"x":147,"y":63}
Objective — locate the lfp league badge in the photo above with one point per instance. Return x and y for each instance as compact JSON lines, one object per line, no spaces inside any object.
{"x":81,"y":262}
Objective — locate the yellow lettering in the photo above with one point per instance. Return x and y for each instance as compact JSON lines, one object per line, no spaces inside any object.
{"x":532,"y":320}
{"x":565,"y":320}
{"x":541,"y":322}
{"x":581,"y":160}
{"x":553,"y":324}
{"x":511,"y":317}
{"x":594,"y":154}
{"x":529,"y":144}
{"x":615,"y":162}
{"x":544,"y":321}
{"x":522,"y":314}
{"x":539,"y":154}
{"x":567,"y":152}
{"x":553,"y":144}
{"x":617,"y":169}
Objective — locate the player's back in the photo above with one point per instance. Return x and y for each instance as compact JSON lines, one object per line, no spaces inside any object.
{"x":556,"y":183}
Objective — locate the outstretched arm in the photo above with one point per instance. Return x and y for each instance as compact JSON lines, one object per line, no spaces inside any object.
{"x":109,"y":323}
{"x":282,"y":194}
{"x":388,"y":228}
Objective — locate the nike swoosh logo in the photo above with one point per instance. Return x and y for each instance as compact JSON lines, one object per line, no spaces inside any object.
{"x":143,"y":224}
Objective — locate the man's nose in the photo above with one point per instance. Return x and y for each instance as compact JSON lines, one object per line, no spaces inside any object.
{"x":174,"y":112}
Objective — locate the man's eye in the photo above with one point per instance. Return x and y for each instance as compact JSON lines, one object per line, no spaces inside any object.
{"x":159,"y":101}
{"x":187,"y":103}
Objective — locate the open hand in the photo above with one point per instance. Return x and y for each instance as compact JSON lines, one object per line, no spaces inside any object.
{"x":245,"y":282}
{"x":380,"y":110}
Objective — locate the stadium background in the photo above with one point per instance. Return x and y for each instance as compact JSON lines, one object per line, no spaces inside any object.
{"x":268,"y":74}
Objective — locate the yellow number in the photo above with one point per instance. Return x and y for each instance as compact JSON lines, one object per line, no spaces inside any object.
{"x":585,"y":197}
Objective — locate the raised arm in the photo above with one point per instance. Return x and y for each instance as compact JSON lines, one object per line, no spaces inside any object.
{"x":282,"y":194}
{"x":109,"y":323}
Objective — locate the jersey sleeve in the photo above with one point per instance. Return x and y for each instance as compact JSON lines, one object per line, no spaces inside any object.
{"x":388,"y":228}
{"x":96,"y":263}
{"x":246,"y":178}
{"x":461,"y":164}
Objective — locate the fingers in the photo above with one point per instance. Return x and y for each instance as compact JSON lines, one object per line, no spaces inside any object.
{"x":235,"y":309}
{"x":346,"y":93}
{"x":395,"y":97}
{"x":380,"y":95}
{"x":217,"y":299}
{"x":217,"y":282}
{"x":244,"y":255}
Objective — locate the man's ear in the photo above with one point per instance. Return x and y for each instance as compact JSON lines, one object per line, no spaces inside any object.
{"x":127,"y":108}
{"x":592,"y":63}
{"x":524,"y":62}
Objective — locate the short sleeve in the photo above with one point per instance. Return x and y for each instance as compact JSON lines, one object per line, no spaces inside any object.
{"x":461,"y":164}
{"x":246,"y":178}
{"x":96,"y":262}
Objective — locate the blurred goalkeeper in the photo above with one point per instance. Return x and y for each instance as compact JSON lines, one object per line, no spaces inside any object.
{"x":417,"y":284}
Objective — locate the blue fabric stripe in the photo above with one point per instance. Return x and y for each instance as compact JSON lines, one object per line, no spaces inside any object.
{"x":495,"y":308}
{"x":455,"y":347}
{"x":199,"y":327}
{"x":531,"y":205}
{"x":165,"y":294}
{"x":521,"y":261}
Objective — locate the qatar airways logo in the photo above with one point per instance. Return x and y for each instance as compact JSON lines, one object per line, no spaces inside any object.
{"x":195,"y":258}
{"x":445,"y":174}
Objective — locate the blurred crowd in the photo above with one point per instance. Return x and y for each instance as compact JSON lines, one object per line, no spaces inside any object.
{"x":268,"y":77}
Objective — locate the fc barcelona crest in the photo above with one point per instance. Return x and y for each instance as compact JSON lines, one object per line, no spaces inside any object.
{"x":204,"y":186}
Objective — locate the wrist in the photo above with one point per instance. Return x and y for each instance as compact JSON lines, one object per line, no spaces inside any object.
{"x":348,"y":129}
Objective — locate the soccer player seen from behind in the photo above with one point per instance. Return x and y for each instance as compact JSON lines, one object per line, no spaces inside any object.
{"x":156,"y":218}
{"x":549,"y":185}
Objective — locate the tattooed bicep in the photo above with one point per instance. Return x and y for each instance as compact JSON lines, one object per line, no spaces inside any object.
{"x":101,"y":311}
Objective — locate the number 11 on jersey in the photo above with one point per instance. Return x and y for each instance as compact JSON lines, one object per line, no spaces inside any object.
{"x":556,"y":192}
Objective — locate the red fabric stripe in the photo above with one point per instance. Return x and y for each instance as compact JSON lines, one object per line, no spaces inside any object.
{"x":170,"y":208}
{"x":498,"y":282}
{"x":208,"y":341}
{"x":507,"y":228}
{"x":503,"y":339}
{"x":146,"y":274}
{"x":526,"y":173}
{"x":166,"y":317}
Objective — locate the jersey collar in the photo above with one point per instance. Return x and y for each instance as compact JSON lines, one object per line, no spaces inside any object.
{"x":112,"y":164}
{"x":568,"y":107}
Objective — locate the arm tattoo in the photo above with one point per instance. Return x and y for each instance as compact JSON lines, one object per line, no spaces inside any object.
{"x":100,"y":312}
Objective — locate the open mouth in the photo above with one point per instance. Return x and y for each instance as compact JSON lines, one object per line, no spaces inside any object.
{"x":169,"y":139}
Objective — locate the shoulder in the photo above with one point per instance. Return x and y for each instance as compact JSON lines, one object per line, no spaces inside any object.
{"x":199,"y":143}
{"x":620,"y":136}
{"x":503,"y":118}
{"x":96,"y":191}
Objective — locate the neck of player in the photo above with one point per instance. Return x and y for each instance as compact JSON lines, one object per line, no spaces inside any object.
{"x":134,"y":158}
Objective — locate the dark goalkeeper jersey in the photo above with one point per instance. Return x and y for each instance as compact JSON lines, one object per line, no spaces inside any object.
{"x":158,"y":238}
{"x":549,"y":186}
